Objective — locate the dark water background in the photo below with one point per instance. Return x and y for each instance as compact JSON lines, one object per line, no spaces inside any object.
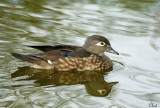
{"x":132,"y":26}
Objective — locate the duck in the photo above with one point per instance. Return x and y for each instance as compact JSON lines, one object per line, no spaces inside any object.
{"x":90,"y":56}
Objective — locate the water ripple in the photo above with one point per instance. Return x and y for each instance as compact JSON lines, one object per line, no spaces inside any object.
{"x":131,"y":26}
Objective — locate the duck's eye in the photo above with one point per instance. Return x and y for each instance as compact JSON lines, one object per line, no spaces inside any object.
{"x":100,"y":44}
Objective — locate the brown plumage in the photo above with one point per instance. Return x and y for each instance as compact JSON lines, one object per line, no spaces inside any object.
{"x":72,"y":58}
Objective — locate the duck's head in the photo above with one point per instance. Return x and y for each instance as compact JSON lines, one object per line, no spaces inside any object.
{"x":98,"y":45}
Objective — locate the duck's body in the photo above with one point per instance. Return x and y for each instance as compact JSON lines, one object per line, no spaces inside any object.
{"x":67,"y":58}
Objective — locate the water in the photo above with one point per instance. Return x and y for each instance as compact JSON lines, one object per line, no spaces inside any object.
{"x":132,"y":26}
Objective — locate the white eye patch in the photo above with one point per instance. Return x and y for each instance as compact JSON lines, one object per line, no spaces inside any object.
{"x":100,"y":44}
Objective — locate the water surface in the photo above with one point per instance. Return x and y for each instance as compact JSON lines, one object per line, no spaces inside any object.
{"x":132,"y":26}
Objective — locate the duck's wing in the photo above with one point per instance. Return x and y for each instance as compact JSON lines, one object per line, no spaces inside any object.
{"x":77,"y":53}
{"x":62,"y":51}
{"x":51,"y":55}
{"x":57,"y":47}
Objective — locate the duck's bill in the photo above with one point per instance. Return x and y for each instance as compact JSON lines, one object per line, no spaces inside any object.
{"x":111,"y":50}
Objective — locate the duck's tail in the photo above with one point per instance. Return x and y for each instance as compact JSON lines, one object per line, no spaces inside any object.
{"x":30,"y":59}
{"x":35,"y":62}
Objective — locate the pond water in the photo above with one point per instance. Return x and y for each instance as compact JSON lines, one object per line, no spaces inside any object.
{"x":132,"y":26}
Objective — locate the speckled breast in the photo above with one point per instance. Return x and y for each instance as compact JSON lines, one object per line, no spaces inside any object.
{"x":93,"y":62}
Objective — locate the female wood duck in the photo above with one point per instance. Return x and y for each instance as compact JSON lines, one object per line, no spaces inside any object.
{"x":72,"y":58}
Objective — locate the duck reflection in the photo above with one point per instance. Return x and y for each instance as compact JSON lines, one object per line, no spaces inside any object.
{"x":93,"y":80}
